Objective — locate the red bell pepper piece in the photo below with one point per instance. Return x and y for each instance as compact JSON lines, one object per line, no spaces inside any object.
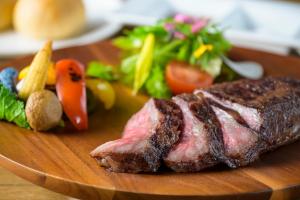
{"x":71,"y":91}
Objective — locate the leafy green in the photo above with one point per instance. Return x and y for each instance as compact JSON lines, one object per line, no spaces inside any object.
{"x":227,"y":74}
{"x":213,"y":67}
{"x":128,"y":68}
{"x":156,"y":85}
{"x":99,"y":70}
{"x":11,"y":109}
{"x":173,"y":41}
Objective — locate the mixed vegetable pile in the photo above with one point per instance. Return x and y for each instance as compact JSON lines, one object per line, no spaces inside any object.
{"x":47,"y":93}
{"x":174,"y":56}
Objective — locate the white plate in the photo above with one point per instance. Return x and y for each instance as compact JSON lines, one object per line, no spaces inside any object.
{"x":98,"y":27}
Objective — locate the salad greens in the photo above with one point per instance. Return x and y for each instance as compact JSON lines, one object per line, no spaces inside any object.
{"x":12,"y":109}
{"x":156,"y":85}
{"x":148,"y":50}
{"x":99,"y":70}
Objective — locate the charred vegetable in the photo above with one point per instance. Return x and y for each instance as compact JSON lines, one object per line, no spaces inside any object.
{"x":71,"y":91}
{"x":43,"y":110}
{"x":103,"y":91}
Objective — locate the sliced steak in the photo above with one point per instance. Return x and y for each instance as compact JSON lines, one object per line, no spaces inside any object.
{"x":270,"y":107}
{"x":201,"y":141}
{"x":147,"y":137}
{"x":242,"y":145}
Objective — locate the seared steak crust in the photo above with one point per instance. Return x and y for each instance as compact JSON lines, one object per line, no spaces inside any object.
{"x":203,"y":111}
{"x":170,"y":127}
{"x":275,"y":103}
{"x":206,"y":156}
{"x":252,"y":152}
{"x":231,"y":112}
{"x":166,"y":132}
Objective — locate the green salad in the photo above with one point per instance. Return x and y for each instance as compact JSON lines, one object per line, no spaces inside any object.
{"x":176,"y":55}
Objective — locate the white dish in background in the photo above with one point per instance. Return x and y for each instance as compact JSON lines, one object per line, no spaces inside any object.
{"x":99,"y":26}
{"x":266,"y":24}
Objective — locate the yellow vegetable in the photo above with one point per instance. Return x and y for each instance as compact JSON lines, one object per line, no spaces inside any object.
{"x":144,"y":62}
{"x":23,"y":73}
{"x":51,"y":77}
{"x":103,"y":91}
{"x":37,"y":74}
{"x":202,"y":49}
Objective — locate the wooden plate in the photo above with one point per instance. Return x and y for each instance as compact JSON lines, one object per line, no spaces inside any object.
{"x":60,"y":161}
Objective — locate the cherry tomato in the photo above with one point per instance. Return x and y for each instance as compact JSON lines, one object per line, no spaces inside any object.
{"x":71,"y":91}
{"x":182,"y":77}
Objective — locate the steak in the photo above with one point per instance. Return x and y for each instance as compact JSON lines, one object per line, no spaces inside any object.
{"x":147,"y":137}
{"x":233,"y":123}
{"x":242,"y":145}
{"x":201,"y":140}
{"x":270,"y":107}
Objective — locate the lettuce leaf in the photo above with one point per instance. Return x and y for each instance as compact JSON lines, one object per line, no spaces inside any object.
{"x":156,"y":85}
{"x":11,"y":109}
{"x":99,"y":70}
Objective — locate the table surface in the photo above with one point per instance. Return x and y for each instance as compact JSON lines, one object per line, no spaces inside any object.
{"x":13,"y":187}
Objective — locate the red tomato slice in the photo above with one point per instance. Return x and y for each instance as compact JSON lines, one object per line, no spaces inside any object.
{"x":71,"y":91}
{"x":185,"y":78}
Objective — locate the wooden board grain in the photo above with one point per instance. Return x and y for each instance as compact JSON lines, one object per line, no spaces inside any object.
{"x":13,"y":187}
{"x":60,"y":160}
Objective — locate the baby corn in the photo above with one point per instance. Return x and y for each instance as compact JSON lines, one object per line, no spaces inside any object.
{"x":37,"y":74}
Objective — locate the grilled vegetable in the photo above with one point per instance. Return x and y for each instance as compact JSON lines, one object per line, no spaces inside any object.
{"x":43,"y":110}
{"x":37,"y":74}
{"x":12,"y":109}
{"x":71,"y":91}
{"x":103,"y":91}
{"x":51,"y":75}
{"x":7,"y":78}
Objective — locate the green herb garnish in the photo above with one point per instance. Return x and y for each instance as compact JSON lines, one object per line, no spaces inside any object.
{"x":11,"y":109}
{"x":99,"y":70}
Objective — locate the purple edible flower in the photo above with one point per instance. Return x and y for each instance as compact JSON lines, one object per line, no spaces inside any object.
{"x":179,"y":35}
{"x":169,"y":27}
{"x":181,"y":18}
{"x":198,"y":25}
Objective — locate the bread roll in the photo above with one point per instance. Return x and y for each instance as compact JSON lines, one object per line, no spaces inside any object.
{"x":6,"y":12}
{"x":49,"y":19}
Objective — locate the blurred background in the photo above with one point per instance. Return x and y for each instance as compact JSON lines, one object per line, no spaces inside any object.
{"x":268,"y":25}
